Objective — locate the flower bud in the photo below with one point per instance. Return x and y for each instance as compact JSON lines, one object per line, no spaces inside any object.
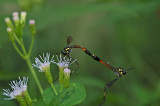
{"x":23,"y":18}
{"x":15,"y":18}
{"x":32,"y":27}
{"x":10,"y":34}
{"x":9,"y":23}
{"x":66,"y":77}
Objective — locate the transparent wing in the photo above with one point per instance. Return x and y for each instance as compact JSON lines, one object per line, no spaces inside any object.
{"x":69,"y":40}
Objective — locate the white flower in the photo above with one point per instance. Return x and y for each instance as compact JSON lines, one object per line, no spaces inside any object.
{"x":17,"y":88}
{"x":64,"y":62}
{"x":43,"y":63}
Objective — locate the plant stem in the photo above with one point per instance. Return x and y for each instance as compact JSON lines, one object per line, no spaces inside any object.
{"x":18,"y":51}
{"x":34,"y":75}
{"x":28,"y":61}
{"x":23,"y":48}
{"x":17,"y":39}
{"x":31,"y":46}
{"x":53,"y":88}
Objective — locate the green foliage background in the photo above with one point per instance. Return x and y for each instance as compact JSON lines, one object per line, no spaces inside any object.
{"x":125,"y":33}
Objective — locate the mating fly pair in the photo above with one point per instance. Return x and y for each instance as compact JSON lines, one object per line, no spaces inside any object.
{"x":118,"y":71}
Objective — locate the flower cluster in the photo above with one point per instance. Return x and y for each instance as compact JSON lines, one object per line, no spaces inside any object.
{"x":64,"y":71}
{"x":43,"y":64}
{"x":15,"y":30}
{"x":19,"y":91}
{"x":64,"y":62}
{"x":17,"y":88}
{"x":15,"y":33}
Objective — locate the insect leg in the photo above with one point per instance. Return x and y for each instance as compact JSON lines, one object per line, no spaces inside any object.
{"x":58,"y":76}
{"x":78,"y":65}
{"x":105,"y":90}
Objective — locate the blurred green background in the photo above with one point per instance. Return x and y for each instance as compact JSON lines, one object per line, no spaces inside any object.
{"x":125,"y":33}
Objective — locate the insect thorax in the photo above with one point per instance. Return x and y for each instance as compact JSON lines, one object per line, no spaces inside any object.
{"x":120,"y":71}
{"x":67,"y":50}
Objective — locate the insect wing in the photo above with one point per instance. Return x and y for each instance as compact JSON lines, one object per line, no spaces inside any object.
{"x":69,"y":40}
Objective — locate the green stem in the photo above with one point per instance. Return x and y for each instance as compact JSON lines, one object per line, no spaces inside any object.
{"x":17,"y":39}
{"x":34,"y":75}
{"x":53,"y":88}
{"x":28,"y":61}
{"x":18,"y":51}
{"x":31,"y":46}
{"x":23,"y":48}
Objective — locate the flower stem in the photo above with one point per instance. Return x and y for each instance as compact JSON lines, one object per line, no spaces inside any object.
{"x":31,"y":46}
{"x":17,"y":39}
{"x":53,"y":88}
{"x":23,"y":48}
{"x":18,"y":51}
{"x":28,"y":61}
{"x":34,"y":75}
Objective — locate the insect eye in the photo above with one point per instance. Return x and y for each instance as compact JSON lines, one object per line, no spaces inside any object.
{"x":120,"y":70}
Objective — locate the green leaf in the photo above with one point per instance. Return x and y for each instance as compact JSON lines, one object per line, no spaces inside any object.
{"x":5,"y":102}
{"x":48,"y":95}
{"x":40,"y":102}
{"x":73,"y":95}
